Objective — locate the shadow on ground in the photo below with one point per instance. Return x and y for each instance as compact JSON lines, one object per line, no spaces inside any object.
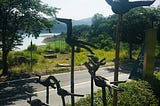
{"x":124,"y":68}
{"x":15,"y":90}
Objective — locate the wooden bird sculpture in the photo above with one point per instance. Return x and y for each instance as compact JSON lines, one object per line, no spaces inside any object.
{"x":123,"y":6}
{"x":60,"y":91}
{"x":45,"y":82}
{"x":35,"y":102}
{"x":72,"y":40}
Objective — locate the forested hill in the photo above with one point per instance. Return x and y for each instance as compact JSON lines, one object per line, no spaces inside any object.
{"x":58,"y":28}
{"x":85,"y":21}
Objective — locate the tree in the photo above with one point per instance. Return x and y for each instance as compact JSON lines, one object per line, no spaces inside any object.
{"x":81,"y":31}
{"x":101,"y":32}
{"x":135,"y":22}
{"x":21,"y":16}
{"x":105,"y":42}
{"x":97,"y":24}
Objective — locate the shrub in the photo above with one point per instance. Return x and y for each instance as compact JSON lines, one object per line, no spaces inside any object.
{"x":109,"y":55}
{"x":11,"y":60}
{"x":48,"y":47}
{"x":137,"y":93}
{"x":156,"y":85}
{"x":97,"y":100}
{"x":57,"y":50}
{"x":0,"y":63}
{"x":19,"y":57}
{"x":67,"y":48}
{"x":157,"y":75}
{"x":32,"y":48}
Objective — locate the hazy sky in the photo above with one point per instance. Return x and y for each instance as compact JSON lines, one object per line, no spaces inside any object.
{"x":79,"y":9}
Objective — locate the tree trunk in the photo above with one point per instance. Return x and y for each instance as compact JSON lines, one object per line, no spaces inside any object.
{"x":130,"y":50}
{"x":4,"y":49}
{"x":4,"y":61}
{"x":4,"y":54}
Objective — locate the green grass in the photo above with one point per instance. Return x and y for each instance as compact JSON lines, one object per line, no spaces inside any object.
{"x":59,"y":45}
{"x":43,"y":64}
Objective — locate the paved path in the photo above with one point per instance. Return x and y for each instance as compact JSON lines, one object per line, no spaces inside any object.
{"x":12,"y":93}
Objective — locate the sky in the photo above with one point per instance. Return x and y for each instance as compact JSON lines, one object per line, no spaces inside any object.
{"x":80,"y":9}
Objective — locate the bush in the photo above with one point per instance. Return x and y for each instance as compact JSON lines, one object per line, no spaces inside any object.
{"x":32,"y":48}
{"x":19,"y":57}
{"x":156,"y":85}
{"x":57,"y":50}
{"x":0,"y":63}
{"x":137,"y":93}
{"x":97,"y":100}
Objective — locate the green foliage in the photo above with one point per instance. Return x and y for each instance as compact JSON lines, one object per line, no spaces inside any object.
{"x":155,"y":82}
{"x":137,"y":93}
{"x":105,"y":42}
{"x":0,"y":63}
{"x":81,"y":58}
{"x":19,"y":57}
{"x":97,"y":100}
{"x":58,"y":70}
{"x":44,"y":65}
{"x":98,"y":34}
{"x":32,"y":48}
{"x":81,"y":31}
{"x":97,"y":25}
{"x":135,"y":24}
{"x":109,"y":55}
{"x":58,"y":46}
{"x":157,"y":75}
{"x":102,"y":32}
{"x":57,"y":50}
{"x":20,"y":16}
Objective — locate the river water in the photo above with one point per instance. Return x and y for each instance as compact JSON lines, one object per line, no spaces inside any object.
{"x":38,"y":41}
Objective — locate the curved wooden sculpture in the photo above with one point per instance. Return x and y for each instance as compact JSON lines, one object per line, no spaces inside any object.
{"x":94,"y":64}
{"x":62,"y":92}
{"x":123,"y":6}
{"x":35,"y":102}
{"x":100,"y":81}
{"x":46,"y":82}
{"x":73,"y":41}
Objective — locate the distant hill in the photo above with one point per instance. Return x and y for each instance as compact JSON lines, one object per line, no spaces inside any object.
{"x":58,"y":28}
{"x":85,"y":21}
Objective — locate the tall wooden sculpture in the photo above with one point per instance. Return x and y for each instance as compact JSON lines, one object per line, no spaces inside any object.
{"x":120,"y":7}
{"x":72,"y":41}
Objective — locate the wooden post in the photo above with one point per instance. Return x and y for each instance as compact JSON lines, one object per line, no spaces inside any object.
{"x":68,"y":22}
{"x":118,"y":34}
{"x":92,"y":91}
{"x":72,"y":76}
{"x":47,"y":94}
{"x":149,"y":53}
{"x":31,"y":50}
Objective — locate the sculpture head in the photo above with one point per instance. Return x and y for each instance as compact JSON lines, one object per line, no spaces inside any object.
{"x":123,"y":6}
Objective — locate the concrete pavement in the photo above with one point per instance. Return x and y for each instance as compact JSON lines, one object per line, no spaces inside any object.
{"x":13,"y":94}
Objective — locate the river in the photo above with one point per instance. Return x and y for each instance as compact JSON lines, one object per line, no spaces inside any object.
{"x":38,"y":41}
